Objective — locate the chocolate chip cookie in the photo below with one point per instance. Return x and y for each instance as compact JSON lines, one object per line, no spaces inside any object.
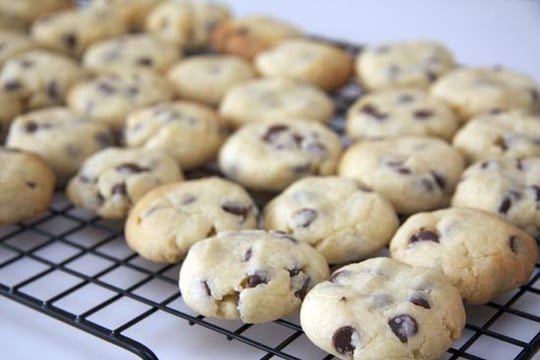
{"x":132,"y":12}
{"x":12,"y":44}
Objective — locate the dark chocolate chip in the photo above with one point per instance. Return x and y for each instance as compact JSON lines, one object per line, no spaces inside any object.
{"x":84,"y":179}
{"x":145,"y":61}
{"x":420,"y":301}
{"x":512,"y":243}
{"x":372,"y":111}
{"x":423,"y":114}
{"x":405,"y":98}
{"x":207,"y":288}
{"x":26,"y":63}
{"x":100,"y":199}
{"x":273,"y":132}
{"x":424,"y":235}
{"x":256,"y":279}
{"x":211,"y":232}
{"x":427,"y":184}
{"x":31,"y":184}
{"x":301,"y":169}
{"x":403,"y":326}
{"x":301,"y":293}
{"x":52,"y":90}
{"x":247,"y":255}
{"x":70,"y":40}
{"x":431,"y":76}
{"x":293,"y":272}
{"x":403,"y":170}
{"x":484,"y":165}
{"x":364,"y":188}
{"x":439,"y":179}
{"x":505,"y":205}
{"x":536,"y":190}
{"x":342,"y":340}
{"x":343,"y":298}
{"x":30,"y":127}
{"x":304,"y":217}
{"x":519,"y":164}
{"x":13,"y":85}
{"x":297,"y":139}
{"x":501,"y":142}
{"x":103,"y":139}
{"x":495,"y":111}
{"x":119,"y":189}
{"x":283,"y":235}
{"x":236,"y":209}
{"x":106,"y":88}
{"x":131,"y":168}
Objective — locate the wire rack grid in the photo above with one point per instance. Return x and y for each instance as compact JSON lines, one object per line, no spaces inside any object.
{"x":76,"y":267}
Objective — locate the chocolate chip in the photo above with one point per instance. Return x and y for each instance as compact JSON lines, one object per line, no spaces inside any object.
{"x":424,"y":235}
{"x":439,"y":179}
{"x":372,"y":111}
{"x":431,"y":76}
{"x":505,"y":205}
{"x":242,"y":31}
{"x":405,"y":98}
{"x":301,"y":169}
{"x":403,"y":170}
{"x":106,"y":88}
{"x":364,"y":188}
{"x":536,"y":190}
{"x":501,"y":142}
{"x":207,"y":288}
{"x":293,"y":272}
{"x":297,"y":139}
{"x":512,"y":243}
{"x":247,"y":255}
{"x":301,"y":293}
{"x":26,"y":63}
{"x":103,"y":139}
{"x":256,"y":279}
{"x":144,"y":61}
{"x":304,"y":217}
{"x":52,"y":90}
{"x":420,"y":301}
{"x":70,"y":40}
{"x":343,"y":298}
{"x":132,"y":91}
{"x":13,"y":85}
{"x":30,"y":184}
{"x":188,"y":199}
{"x":519,"y":164}
{"x":335,"y":276}
{"x":131,"y":168}
{"x":534,"y":95}
{"x":211,"y":232}
{"x":495,"y":111}
{"x":317,"y":149}
{"x":273,"y":132}
{"x":31,"y":127}
{"x":84,"y":179}
{"x":427,"y":184}
{"x":236,"y":209}
{"x":283,"y":235}
{"x":484,"y":165}
{"x":119,"y":189}
{"x":423,"y":114}
{"x":100,"y":199}
{"x":342,"y":340}
{"x":403,"y":326}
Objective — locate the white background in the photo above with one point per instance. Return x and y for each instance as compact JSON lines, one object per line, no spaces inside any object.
{"x":480,"y":32}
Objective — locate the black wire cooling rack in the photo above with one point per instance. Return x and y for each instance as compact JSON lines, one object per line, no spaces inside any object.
{"x":91,"y":277}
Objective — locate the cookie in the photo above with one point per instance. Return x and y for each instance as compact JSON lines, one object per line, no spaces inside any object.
{"x":186,"y":23}
{"x":112,"y":180}
{"x":132,"y":12}
{"x":9,"y":23}
{"x":512,"y":134}
{"x":10,"y":107}
{"x":472,"y":91}
{"x":12,"y":44}
{"x":480,"y":253}
{"x":412,"y":64}
{"x":248,"y":35}
{"x":189,"y":132}
{"x":40,"y":78}
{"x":383,"y":309}
{"x":207,"y":78}
{"x":26,"y":186}
{"x":399,"y":112}
{"x":407,"y":170}
{"x":271,"y":155}
{"x":109,"y":98}
{"x":63,"y":138}
{"x":341,"y":218}
{"x":270,"y":99}
{"x":323,"y":65}
{"x":27,"y":11}
{"x":134,"y":51}
{"x":250,"y":275}
{"x":72,"y":31}
{"x":168,"y":220}
{"x":507,"y":187}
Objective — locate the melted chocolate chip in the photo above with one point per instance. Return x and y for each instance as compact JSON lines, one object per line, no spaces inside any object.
{"x":70,"y":40}
{"x":301,"y":293}
{"x":403,"y":326}
{"x":236,"y":209}
{"x":439,"y":179}
{"x":131,"y":168}
{"x":13,"y":85}
{"x":145,"y":61}
{"x":506,"y":204}
{"x":256,"y":279}
{"x":304,"y":217}
{"x":31,"y":127}
{"x":273,"y":132}
{"x":420,"y":301}
{"x":247,"y":255}
{"x":423,"y":114}
{"x":207,"y":288}
{"x":283,"y":235}
{"x":342,"y":340}
{"x":398,"y":166}
{"x":119,"y":189}
{"x":512,"y":243}
{"x":30,"y":184}
{"x":424,"y":235}
{"x":335,"y":276}
{"x":52,"y":90}
{"x":372,"y":111}
{"x":536,"y":190}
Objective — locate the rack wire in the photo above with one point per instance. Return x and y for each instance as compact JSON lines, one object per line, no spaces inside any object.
{"x":81,"y":257}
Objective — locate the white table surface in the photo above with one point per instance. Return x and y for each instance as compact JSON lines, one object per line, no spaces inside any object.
{"x":480,"y":32}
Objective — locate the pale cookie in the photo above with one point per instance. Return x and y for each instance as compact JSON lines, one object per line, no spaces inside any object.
{"x":26,"y":186}
{"x":40,"y":78}
{"x":248,"y":35}
{"x":63,"y":138}
{"x":134,"y":51}
{"x":186,"y":23}
{"x":29,"y":10}
{"x":270,"y":99}
{"x":207,"y":78}
{"x":10,"y":107}
{"x":73,"y":31}
{"x":110,"y":98}
{"x":398,"y":112}
{"x":323,"y":65}
{"x":168,"y":220}
{"x":250,"y":275}
{"x":340,"y":218}
{"x":383,"y":309}
{"x":472,"y":91}
{"x":414,"y":173}
{"x":10,"y":23}
{"x":271,"y":155}
{"x":132,"y":12}
{"x":13,"y":44}
{"x":190,"y":133}
{"x":507,"y":187}
{"x":415,"y":64}
{"x":480,"y":253}
{"x":112,"y":180}
{"x":512,"y":134}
